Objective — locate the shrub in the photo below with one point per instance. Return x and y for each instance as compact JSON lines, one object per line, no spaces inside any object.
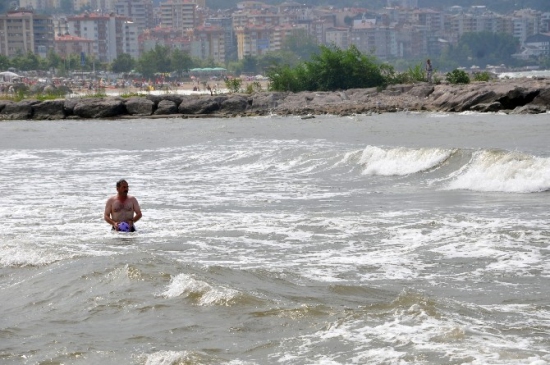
{"x":482,"y":76}
{"x":253,"y":87}
{"x":458,"y":77}
{"x":332,"y":69}
{"x":233,"y":85}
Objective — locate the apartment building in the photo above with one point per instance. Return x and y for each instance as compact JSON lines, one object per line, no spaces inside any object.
{"x":112,"y":34}
{"x":253,"y":40}
{"x":23,"y":31}
{"x":433,"y":20}
{"x":166,"y":37}
{"x":411,"y":4}
{"x":140,"y":11}
{"x":208,"y":41}
{"x":281,"y":33}
{"x":526,"y":23}
{"x":66,"y":45}
{"x":380,"y":41}
{"x":230,"y":42}
{"x":179,"y":14}
{"x":338,"y":37}
{"x":102,"y":5}
{"x":318,"y":28}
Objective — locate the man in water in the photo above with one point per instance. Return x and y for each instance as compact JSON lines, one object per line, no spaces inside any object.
{"x":122,"y":208}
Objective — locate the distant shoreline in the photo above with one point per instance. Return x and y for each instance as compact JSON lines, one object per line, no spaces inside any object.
{"x":514,"y":95}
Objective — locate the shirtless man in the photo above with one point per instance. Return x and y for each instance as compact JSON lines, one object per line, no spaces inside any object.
{"x":122,"y":208}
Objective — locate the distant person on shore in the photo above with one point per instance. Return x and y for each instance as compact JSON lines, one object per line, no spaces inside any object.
{"x":429,"y":70}
{"x":122,"y":210}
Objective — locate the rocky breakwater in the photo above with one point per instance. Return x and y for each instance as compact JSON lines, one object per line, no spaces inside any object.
{"x":510,"y":96}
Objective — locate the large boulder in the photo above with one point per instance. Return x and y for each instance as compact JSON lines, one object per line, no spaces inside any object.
{"x":49,"y":109}
{"x":457,"y":98}
{"x":201,"y":105}
{"x":69,"y":104}
{"x":166,"y":107}
{"x":422,"y":90}
{"x":139,"y":106}
{"x":18,"y":111}
{"x":100,"y":108}
{"x":3,"y":103}
{"x":234,"y":104}
{"x":529,"y":109}
{"x":264,"y":102}
{"x":175,"y":98}
{"x":543,"y":98}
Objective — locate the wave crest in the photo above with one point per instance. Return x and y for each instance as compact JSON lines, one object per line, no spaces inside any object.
{"x":503,"y":171}
{"x":401,"y":161}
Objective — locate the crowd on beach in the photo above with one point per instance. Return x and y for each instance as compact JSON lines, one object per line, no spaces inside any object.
{"x":87,"y":85}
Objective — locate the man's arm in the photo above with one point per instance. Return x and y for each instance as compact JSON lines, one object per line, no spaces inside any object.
{"x":137,"y":211}
{"x":107,"y":213}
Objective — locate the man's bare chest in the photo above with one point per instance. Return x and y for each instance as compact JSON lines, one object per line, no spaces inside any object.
{"x":119,"y":206}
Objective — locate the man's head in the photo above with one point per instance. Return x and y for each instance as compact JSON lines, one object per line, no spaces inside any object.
{"x":122,"y":187}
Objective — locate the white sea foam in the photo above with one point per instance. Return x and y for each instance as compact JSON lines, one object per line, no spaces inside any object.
{"x":401,"y":161}
{"x":173,"y":358}
{"x":25,"y":256}
{"x":188,"y":286}
{"x":504,"y":171}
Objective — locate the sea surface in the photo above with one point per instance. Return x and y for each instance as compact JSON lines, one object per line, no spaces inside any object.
{"x":411,"y":238}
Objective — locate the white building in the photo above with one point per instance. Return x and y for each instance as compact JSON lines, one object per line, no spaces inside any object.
{"x":113,"y":34}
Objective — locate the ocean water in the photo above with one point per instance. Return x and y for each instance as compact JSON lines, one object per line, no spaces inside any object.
{"x":385,"y":239}
{"x":526,"y":74}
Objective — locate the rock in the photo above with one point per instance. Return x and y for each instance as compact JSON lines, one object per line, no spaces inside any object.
{"x":487,"y":107}
{"x":139,"y":106}
{"x":166,"y":107}
{"x":398,"y":89}
{"x":529,"y":109}
{"x":543,"y":98}
{"x":234,"y":104}
{"x":100,"y":108}
{"x":421,"y":91}
{"x":18,"y":111}
{"x":265,"y":102}
{"x":49,"y":109}
{"x":201,"y":105}
{"x":3,"y":103}
{"x":69,"y":104}
{"x":175,"y":98}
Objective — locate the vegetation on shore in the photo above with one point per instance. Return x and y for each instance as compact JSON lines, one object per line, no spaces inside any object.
{"x":336,"y":69}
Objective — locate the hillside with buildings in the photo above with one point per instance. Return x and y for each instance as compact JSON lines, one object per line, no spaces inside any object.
{"x":398,"y":29}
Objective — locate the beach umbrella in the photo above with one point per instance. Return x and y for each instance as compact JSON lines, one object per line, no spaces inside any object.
{"x":8,"y":75}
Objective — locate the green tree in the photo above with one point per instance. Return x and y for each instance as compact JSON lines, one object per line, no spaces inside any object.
{"x":332,"y":69}
{"x":123,"y":63}
{"x":4,"y":62}
{"x":53,"y":60}
{"x":250,"y":64}
{"x":155,"y":60}
{"x":181,"y":61}
{"x":27,"y":62}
